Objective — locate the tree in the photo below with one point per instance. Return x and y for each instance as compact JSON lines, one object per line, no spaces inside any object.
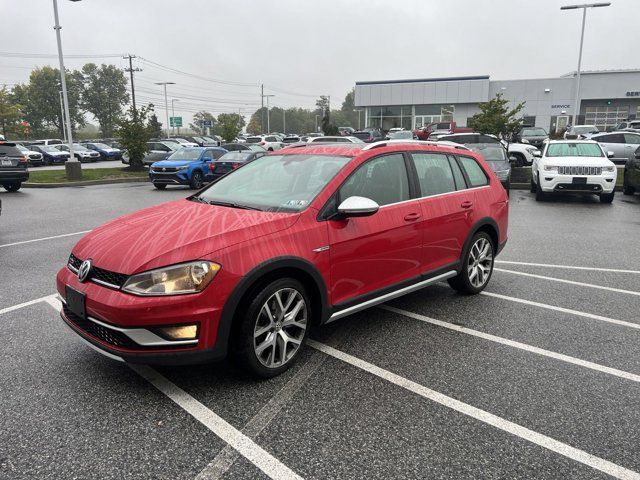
{"x":9,"y":113}
{"x":497,"y":119}
{"x":104,"y":93}
{"x":323,"y":103}
{"x":155,"y":126}
{"x":134,"y":133}
{"x":229,"y":126}
{"x":199,"y":119}
{"x":349,"y":103}
{"x":327,"y":127}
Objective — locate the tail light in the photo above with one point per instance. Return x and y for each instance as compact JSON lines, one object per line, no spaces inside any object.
{"x":23,"y":159}
{"x":212,"y":167}
{"x":235,"y":165}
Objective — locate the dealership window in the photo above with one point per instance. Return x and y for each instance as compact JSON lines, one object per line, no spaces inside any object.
{"x":387,"y":117}
{"x":529,"y":121}
{"x":426,"y":114}
{"x":606,"y":117}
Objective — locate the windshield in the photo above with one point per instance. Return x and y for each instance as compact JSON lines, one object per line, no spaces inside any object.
{"x":186,"y":154}
{"x":21,"y":148}
{"x":276,"y":183}
{"x":574,"y":150}
{"x":490,"y":152}
{"x":533,"y":132}
{"x":238,"y":156}
{"x":49,"y":149}
{"x":254,"y":140}
{"x":586,"y":129}
{"x":256,"y":148}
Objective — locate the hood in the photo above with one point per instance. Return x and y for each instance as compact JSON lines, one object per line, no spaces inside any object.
{"x":578,"y":161}
{"x":173,"y":163}
{"x":174,"y":232}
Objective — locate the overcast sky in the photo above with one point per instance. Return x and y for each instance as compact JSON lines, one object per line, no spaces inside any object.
{"x":314,"y":47}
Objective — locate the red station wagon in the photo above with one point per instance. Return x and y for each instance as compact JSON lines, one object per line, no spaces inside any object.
{"x":298,"y":238}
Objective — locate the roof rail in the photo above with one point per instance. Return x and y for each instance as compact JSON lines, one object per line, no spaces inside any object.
{"x":384,"y":143}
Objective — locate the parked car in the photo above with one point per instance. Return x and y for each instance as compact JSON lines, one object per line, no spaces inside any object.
{"x":13,"y":167}
{"x":159,"y":150}
{"x":80,"y":152}
{"x":580,"y":132}
{"x":269,"y":142}
{"x":346,"y":131}
{"x":241,"y":147}
{"x":628,"y":124}
{"x":496,"y":156}
{"x":35,"y":159}
{"x":291,"y":139}
{"x":369,"y":135}
{"x":519,"y":153}
{"x":622,"y":144}
{"x":47,"y":141}
{"x":187,"y":166}
{"x":631,"y":183}
{"x":231,"y":161}
{"x":183,"y":141}
{"x":50,"y":154}
{"x":334,"y":139}
{"x":401,"y":135}
{"x":106,"y":152}
{"x":248,"y":266}
{"x":424,"y":132}
{"x":574,"y":166}
{"x":532,"y":135}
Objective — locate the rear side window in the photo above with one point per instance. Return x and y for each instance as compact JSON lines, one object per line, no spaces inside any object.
{"x":215,"y":154}
{"x":475,"y":174}
{"x":434,"y":173}
{"x":631,"y":138}
{"x":613,"y":138}
{"x":9,"y":151}
{"x":457,"y":174}
{"x":383,"y":180}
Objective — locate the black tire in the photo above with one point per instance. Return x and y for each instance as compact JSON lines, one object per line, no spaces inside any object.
{"x":520,"y":162}
{"x":244,"y":341}
{"x":462,"y":282}
{"x":626,"y":188}
{"x":270,"y":149}
{"x":197,"y":180}
{"x":532,"y":188}
{"x":12,"y":187}
{"x":540,"y":195}
{"x":607,"y":197}
{"x":160,"y":186}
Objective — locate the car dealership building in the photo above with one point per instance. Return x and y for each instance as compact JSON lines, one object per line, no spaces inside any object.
{"x":607,"y":98}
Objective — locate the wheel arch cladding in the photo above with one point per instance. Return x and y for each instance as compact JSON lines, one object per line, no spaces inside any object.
{"x":266,"y":272}
{"x":490,"y":227}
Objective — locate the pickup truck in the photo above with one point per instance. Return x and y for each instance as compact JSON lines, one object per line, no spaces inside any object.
{"x":439,"y":127}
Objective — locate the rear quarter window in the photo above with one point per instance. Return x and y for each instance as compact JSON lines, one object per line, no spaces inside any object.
{"x":9,"y":151}
{"x":475,"y":173}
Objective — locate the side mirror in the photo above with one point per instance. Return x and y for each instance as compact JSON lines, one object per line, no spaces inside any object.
{"x":207,"y":159}
{"x":537,"y":154}
{"x":610,"y":154}
{"x":524,"y":140}
{"x":358,"y":207}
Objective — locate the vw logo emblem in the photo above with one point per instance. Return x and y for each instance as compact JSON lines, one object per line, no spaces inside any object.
{"x":84,"y":270}
{"x":164,"y":169}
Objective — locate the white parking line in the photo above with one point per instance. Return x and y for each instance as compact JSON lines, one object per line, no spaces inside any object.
{"x":571,"y":282}
{"x":246,"y":447}
{"x":26,"y":304}
{"x":568,"y":267}
{"x":511,"y":343}
{"x":519,"y":431}
{"x":563,"y":310}
{"x":44,"y":238}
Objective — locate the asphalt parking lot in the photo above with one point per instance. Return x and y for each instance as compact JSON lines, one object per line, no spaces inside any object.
{"x":538,"y":377}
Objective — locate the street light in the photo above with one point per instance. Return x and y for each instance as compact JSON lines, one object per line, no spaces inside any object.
{"x":317,"y":123}
{"x":166,"y":102}
{"x":73,"y":168}
{"x":358,"y":110}
{"x":268,"y":125}
{"x":62,"y":118}
{"x":173,"y":114}
{"x":576,"y":106}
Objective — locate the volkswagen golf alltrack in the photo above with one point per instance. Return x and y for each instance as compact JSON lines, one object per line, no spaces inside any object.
{"x":298,"y":238}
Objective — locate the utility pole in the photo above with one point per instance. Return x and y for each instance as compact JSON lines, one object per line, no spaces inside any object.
{"x":173,"y":114}
{"x":133,"y":90}
{"x":262,"y":108}
{"x":284,"y":121}
{"x":166,"y":102}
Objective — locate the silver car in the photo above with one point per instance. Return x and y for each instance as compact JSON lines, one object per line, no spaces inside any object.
{"x":622,"y":144}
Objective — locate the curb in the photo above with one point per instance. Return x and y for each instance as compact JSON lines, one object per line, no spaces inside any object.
{"x":84,"y":183}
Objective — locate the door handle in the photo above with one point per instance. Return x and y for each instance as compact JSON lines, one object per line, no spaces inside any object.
{"x":466,"y":204}
{"x":411,"y":217}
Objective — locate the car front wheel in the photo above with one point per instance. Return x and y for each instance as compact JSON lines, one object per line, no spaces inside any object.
{"x":540,"y":195}
{"x":196,"y":180}
{"x":160,"y":186}
{"x":273,"y":327}
{"x":477,"y":266}
{"x":606,"y":197}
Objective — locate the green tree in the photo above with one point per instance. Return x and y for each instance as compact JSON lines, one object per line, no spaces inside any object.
{"x":10,"y":113}
{"x":229,"y":126}
{"x":349,"y":103}
{"x":155,"y":126}
{"x":104,"y":93}
{"x":327,"y":127}
{"x":134,"y":133}
{"x":497,"y":118}
{"x":198,"y":121}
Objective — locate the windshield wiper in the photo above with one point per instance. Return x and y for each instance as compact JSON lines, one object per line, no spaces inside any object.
{"x":228,"y":204}
{"x":198,"y":199}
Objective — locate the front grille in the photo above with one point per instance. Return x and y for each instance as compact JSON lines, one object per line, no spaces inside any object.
{"x":35,"y":156}
{"x":578,"y":187}
{"x":112,"y":337}
{"x":99,"y":274}
{"x":575,"y":170}
{"x":164,"y":170}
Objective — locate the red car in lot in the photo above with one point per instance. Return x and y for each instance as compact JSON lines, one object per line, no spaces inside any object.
{"x":294,"y":239}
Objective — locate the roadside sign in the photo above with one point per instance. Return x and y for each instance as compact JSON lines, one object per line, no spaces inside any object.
{"x":175,"y":121}
{"x":207,"y":123}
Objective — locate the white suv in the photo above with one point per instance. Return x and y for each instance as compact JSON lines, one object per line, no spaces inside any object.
{"x":268,"y":142}
{"x":573,"y":166}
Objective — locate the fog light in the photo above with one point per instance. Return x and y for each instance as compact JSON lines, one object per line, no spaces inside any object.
{"x":181,"y":332}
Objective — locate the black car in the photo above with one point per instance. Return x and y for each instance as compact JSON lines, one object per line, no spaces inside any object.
{"x":631,"y":182}
{"x":231,"y":161}
{"x":13,"y":167}
{"x":51,"y":154}
{"x":534,"y":135}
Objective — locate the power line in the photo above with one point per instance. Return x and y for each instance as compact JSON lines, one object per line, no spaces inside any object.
{"x":54,"y":55}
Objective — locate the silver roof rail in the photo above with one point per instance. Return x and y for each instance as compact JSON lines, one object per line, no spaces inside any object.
{"x":384,"y":143}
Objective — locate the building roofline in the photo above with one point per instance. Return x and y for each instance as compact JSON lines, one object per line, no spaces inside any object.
{"x":423,"y":80}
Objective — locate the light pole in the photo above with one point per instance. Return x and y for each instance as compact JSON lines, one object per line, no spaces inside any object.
{"x":268,"y":125}
{"x":173,"y":114}
{"x":576,"y":106}
{"x":73,"y":168}
{"x":358,"y":110}
{"x":317,"y":123}
{"x":284,"y":121}
{"x":166,"y":102}
{"x":62,"y":118}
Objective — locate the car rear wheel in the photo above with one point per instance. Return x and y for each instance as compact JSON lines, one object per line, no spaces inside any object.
{"x":273,"y":328}
{"x":477,"y":266}
{"x":606,"y":197}
{"x":12,"y":187}
{"x":160,"y":186}
{"x":196,"y":180}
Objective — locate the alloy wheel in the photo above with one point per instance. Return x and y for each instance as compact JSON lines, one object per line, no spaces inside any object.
{"x":280,"y":328}
{"x":480,"y":262}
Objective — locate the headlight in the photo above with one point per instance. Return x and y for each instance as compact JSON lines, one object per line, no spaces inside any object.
{"x":611,"y":168}
{"x":174,"y":280}
{"x":531,"y":150}
{"x":183,"y":167}
{"x":550,"y":168}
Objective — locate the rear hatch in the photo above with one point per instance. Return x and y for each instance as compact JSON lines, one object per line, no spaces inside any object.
{"x":11,"y":158}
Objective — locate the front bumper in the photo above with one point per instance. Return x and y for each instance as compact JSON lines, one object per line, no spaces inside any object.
{"x":125,"y":326}
{"x":169,"y":178}
{"x":553,"y":182}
